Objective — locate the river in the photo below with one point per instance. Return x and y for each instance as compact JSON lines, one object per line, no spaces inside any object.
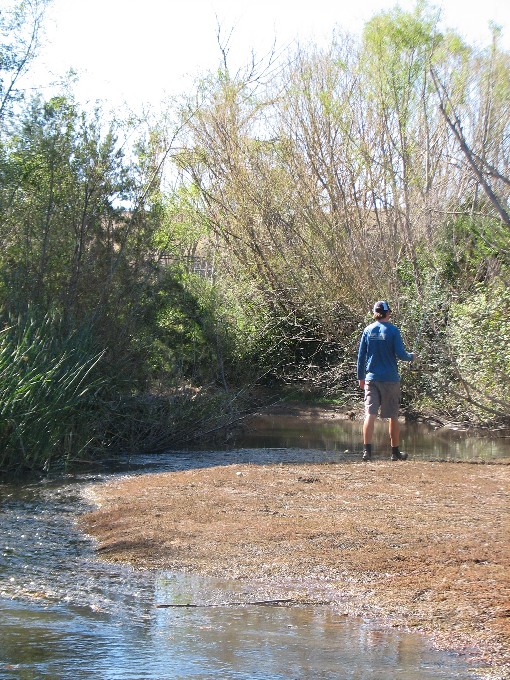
{"x":66,"y":614}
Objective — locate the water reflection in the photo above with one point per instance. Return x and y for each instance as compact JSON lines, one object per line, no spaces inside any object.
{"x":228,"y":643}
{"x":421,"y":441}
{"x":295,"y":642}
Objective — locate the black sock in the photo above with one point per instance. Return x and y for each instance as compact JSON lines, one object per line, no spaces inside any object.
{"x":395,"y":449}
{"x":367,"y":448}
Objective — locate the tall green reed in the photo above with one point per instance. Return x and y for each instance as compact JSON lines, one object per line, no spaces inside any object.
{"x":48,"y":386}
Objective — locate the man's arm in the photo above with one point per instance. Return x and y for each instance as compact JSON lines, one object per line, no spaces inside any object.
{"x":400,"y":350}
{"x":362,"y":361}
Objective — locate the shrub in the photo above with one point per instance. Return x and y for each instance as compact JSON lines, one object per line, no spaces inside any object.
{"x":479,"y":337}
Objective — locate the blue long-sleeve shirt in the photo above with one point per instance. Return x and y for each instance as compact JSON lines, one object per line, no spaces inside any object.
{"x":379,"y":348}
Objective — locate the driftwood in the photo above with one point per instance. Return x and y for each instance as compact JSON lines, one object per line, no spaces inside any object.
{"x":266,"y":603}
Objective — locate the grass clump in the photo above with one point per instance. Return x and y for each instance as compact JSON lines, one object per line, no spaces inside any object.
{"x":49,"y":381}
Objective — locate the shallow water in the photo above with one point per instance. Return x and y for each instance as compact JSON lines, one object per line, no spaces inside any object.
{"x":65,"y":614}
{"x":421,"y":441}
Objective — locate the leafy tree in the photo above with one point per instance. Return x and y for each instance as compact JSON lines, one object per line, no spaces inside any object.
{"x":20,"y":32}
{"x":58,"y":208}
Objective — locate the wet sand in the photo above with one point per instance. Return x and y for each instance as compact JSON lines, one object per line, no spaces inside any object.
{"x":420,"y":545}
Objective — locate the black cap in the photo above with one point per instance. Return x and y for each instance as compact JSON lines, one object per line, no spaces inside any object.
{"x":381,"y":307}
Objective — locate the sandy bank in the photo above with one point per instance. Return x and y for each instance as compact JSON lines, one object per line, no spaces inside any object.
{"x":421,"y":545}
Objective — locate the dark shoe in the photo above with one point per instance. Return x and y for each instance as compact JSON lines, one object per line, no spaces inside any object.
{"x":367,"y":456}
{"x":398,"y":455}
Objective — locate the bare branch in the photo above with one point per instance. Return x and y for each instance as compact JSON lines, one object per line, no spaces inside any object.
{"x":455,"y":126}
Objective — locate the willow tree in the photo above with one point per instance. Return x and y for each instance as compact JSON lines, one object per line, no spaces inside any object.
{"x":310,"y":179}
{"x":317,"y":118}
{"x":397,"y":48}
{"x":339,"y":179}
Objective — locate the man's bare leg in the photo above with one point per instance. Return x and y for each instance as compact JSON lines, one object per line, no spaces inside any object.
{"x":368,"y":433}
{"x":394,"y":428}
{"x":368,"y":428}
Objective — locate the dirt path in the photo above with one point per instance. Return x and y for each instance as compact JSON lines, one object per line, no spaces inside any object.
{"x":421,"y":545}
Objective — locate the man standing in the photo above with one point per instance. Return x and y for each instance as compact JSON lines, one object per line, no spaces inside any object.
{"x":380,"y":347}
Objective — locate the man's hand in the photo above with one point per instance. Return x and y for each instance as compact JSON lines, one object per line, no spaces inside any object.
{"x":361,"y":384}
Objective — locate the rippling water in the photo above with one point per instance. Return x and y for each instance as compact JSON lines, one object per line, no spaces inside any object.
{"x":65,"y":614}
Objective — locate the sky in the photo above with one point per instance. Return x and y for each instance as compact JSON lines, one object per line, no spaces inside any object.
{"x":136,"y":52}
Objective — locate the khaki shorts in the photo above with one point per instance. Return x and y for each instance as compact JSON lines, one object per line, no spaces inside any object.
{"x":384,"y":396}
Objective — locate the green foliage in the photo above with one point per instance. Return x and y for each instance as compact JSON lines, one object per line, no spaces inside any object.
{"x":203,"y":332}
{"x":470,"y":249}
{"x":20,"y":25}
{"x":395,"y":32}
{"x":397,"y":47}
{"x":49,"y":381}
{"x":422,"y":318}
{"x":62,"y":175}
{"x":183,"y":223}
{"x":172,"y":335}
{"x":459,"y":325}
{"x":479,"y":336}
